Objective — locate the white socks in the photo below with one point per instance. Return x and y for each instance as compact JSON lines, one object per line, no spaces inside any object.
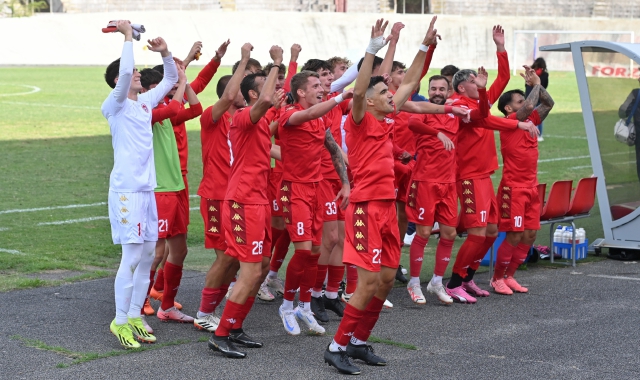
{"x":132,"y":279}
{"x":436,"y":280}
{"x":272,"y":274}
{"x":316,"y":294}
{"x":335,"y":347}
{"x":287,"y":305}
{"x":414,"y":281}
{"x":357,"y":342}
{"x":331,"y":295}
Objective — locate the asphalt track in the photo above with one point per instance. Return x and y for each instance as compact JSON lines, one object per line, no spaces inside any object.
{"x":575,"y":323}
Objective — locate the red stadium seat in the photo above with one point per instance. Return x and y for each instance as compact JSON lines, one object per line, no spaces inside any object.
{"x":558,"y":201}
{"x":583,"y":198}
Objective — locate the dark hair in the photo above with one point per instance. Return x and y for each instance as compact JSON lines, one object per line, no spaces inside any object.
{"x":282,"y":69}
{"x":375,"y":80}
{"x":539,"y":63}
{"x":449,"y":70}
{"x":506,"y":98}
{"x":252,"y":63}
{"x":113,"y":71}
{"x":316,"y":65}
{"x":222,"y":85}
{"x":300,"y":81}
{"x":439,"y":77}
{"x":462,"y":76}
{"x":160,"y":69}
{"x":398,"y":65}
{"x":248,"y":84}
{"x":149,"y":77}
{"x":377,"y":61}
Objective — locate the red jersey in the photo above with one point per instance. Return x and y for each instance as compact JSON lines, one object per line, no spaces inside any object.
{"x":302,"y":147}
{"x":332,"y":122}
{"x":402,"y":135}
{"x":250,"y":146}
{"x":520,"y":155}
{"x":215,"y":155}
{"x":434,"y":162}
{"x":371,"y":158}
{"x":273,"y":114}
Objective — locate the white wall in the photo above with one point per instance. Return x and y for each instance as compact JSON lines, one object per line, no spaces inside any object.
{"x":76,"y":39}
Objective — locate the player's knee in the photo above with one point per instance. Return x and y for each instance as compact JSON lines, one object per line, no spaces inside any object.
{"x":330,"y":239}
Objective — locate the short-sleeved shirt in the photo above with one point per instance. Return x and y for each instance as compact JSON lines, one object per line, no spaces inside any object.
{"x":371,"y":158}
{"x":520,"y":155}
{"x":250,"y":147}
{"x":434,"y":162}
{"x":215,"y":155}
{"x":302,"y":147}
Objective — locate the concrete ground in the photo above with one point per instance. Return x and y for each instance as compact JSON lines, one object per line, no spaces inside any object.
{"x":575,"y":323}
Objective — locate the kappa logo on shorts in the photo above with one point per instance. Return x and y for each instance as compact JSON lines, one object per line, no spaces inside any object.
{"x":285,"y":188}
{"x":285,"y":209}
{"x":284,"y":198}
{"x":239,"y":240}
{"x":212,"y":209}
{"x":124,"y":210}
{"x":286,"y":220}
{"x":506,"y":202}
{"x":359,"y":223}
{"x":124,"y":221}
{"x":468,"y":198}
{"x":360,"y":247}
{"x":235,"y":205}
{"x":468,"y":201}
{"x":359,"y":235}
{"x":214,"y":220}
{"x":359,"y":211}
{"x":238,"y":223}
{"x":237,"y":228}
{"x":236,"y":217}
{"x":123,"y":198}
{"x":213,"y":230}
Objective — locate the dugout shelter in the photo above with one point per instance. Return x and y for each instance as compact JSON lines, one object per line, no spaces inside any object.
{"x":606,"y":73}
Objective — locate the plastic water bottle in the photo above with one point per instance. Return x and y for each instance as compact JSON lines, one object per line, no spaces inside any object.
{"x":567,"y":235}
{"x":583,"y":235}
{"x":557,"y":235}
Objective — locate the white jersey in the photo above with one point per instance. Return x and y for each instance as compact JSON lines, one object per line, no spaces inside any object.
{"x":130,"y":124}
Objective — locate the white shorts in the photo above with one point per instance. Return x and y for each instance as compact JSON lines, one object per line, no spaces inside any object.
{"x":133,"y":216}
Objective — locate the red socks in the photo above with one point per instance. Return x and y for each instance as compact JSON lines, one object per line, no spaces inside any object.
{"x":505,"y":253}
{"x":275,"y":235}
{"x":443,"y":256}
{"x":280,"y":249}
{"x":308,"y":278}
{"x":416,"y":255}
{"x":320,"y":276}
{"x":223,"y":292}
{"x":467,"y":253}
{"x":152,"y":277}
{"x":295,"y":270}
{"x":210,"y":300}
{"x":486,"y":246}
{"x":336,"y":272}
{"x":352,"y":278}
{"x":246,"y":308}
{"x":369,"y":319}
{"x":232,"y":311}
{"x":159,"y":284}
{"x":520,"y":254}
{"x":350,"y":320}
{"x":172,"y":282}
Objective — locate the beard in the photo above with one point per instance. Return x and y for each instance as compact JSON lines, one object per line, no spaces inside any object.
{"x":439,"y":100}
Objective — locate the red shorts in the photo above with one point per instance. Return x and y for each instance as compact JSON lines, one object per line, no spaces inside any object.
{"x":170,"y":215}
{"x":248,"y":231}
{"x":302,"y":211}
{"x":403,"y":178}
{"x":372,"y":238}
{"x":211,"y":211}
{"x":184,"y":194}
{"x":430,"y":202}
{"x":275,"y":180}
{"x":519,"y":208}
{"x":327,"y":192}
{"x":478,"y":206}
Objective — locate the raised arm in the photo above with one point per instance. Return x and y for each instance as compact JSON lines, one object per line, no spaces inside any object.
{"x":530,"y":103}
{"x":125,"y":72}
{"x":317,"y":110}
{"x":194,"y":54}
{"x":346,"y":79}
{"x":172,"y":110}
{"x":387,"y":62}
{"x":260,"y":108}
{"x":502,"y":80}
{"x":293,"y":66}
{"x":411,"y":79}
{"x":206,"y":74}
{"x":170,"y":71}
{"x":546,"y":104}
{"x":194,"y":110}
{"x":233,"y":86}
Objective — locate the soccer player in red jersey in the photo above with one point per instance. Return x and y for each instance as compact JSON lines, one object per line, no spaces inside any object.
{"x":171,"y":273}
{"x":432,"y":194}
{"x":330,"y":264}
{"x":518,"y":199}
{"x":339,"y":66}
{"x":246,"y":213}
{"x":477,"y":160}
{"x":303,"y":136}
{"x":216,"y":165}
{"x":372,"y":241}
{"x":280,"y":236}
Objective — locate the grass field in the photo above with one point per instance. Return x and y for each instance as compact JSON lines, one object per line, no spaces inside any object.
{"x":57,"y":156}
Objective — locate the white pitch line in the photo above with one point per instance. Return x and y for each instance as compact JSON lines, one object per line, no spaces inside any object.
{"x":614,"y":277}
{"x":48,"y":105}
{"x":563,"y":159}
{"x":70,"y":221}
{"x":566,"y":137}
{"x":11,"y":251}
{"x":52,"y":208}
{"x":34,"y":89}
{"x":580,"y":167}
{"x":4,"y":229}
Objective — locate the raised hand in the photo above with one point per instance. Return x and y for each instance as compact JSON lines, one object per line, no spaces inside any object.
{"x":194,"y":53}
{"x":348,"y":94}
{"x":481,"y":78}
{"x":529,"y":127}
{"x":222,"y":50}
{"x":182,"y":77}
{"x":395,"y":32}
{"x":157,"y":44}
{"x":405,"y":157}
{"x":378,"y":29}
{"x":295,"y":52}
{"x":245,"y":51}
{"x":276,"y":54}
{"x":530,"y":76}
{"x":124,"y":27}
{"x":498,"y":37}
{"x":179,"y":63}
{"x":448,"y":144}
{"x":432,"y":36}
{"x":386,"y":78}
{"x":279,"y":99}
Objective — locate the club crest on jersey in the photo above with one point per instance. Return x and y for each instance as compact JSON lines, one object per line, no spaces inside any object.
{"x":388,"y":121}
{"x":144,"y":107}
